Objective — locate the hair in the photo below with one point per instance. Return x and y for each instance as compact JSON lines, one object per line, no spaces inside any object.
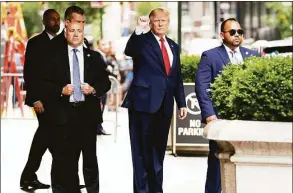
{"x":99,"y":41}
{"x":156,"y":10}
{"x":72,"y":9}
{"x":224,"y":23}
{"x":48,"y":12}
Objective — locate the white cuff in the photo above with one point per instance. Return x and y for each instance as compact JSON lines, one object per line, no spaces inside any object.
{"x":138,"y":30}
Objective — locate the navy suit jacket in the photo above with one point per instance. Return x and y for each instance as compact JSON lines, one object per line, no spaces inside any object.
{"x":151,"y":85}
{"x":210,"y":66}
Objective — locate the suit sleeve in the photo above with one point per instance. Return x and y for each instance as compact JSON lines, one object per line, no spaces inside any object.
{"x":179,"y":90}
{"x":202,"y":86}
{"x":28,"y":65}
{"x":31,"y":72}
{"x":102,"y":83}
{"x":51,"y":89}
{"x":132,"y":47}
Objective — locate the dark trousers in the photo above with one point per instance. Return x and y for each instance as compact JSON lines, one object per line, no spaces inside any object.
{"x":39,"y":146}
{"x":213,"y":180}
{"x":103,"y":101}
{"x":148,"y":137}
{"x":69,"y":141}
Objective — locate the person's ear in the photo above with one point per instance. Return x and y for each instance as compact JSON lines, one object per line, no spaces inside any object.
{"x":222,"y":35}
{"x":66,"y":22}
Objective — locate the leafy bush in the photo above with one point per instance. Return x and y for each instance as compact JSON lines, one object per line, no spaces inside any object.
{"x":259,"y":89}
{"x":189,"y":66}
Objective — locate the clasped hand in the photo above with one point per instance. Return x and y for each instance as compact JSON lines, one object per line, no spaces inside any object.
{"x":86,"y":89}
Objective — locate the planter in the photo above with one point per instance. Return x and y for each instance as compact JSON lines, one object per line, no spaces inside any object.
{"x":255,"y":156}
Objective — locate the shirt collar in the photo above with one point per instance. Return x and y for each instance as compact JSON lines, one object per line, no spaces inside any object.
{"x":158,"y":38}
{"x":79,"y":48}
{"x":50,"y":36}
{"x":237,"y":50}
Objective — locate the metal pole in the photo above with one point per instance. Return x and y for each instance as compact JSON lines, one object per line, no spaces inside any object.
{"x":179,"y":24}
{"x":216,"y":18}
{"x":114,"y":82}
{"x":101,"y":22}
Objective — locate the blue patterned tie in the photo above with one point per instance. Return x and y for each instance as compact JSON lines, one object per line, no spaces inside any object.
{"x":77,"y":94}
{"x":234,"y":60}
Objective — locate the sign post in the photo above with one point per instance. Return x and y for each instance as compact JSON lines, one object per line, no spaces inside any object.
{"x":187,"y":133}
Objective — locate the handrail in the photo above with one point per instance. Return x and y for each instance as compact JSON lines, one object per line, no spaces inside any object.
{"x":117,"y":100}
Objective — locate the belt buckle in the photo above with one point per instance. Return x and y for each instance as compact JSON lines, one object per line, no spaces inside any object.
{"x":76,"y":104}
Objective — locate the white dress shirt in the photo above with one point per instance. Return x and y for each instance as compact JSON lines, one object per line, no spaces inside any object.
{"x":50,"y":36}
{"x":139,"y":30}
{"x":237,"y":55}
{"x":170,"y":54}
{"x":80,"y":58}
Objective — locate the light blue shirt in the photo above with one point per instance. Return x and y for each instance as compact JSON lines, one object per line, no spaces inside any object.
{"x":80,"y":58}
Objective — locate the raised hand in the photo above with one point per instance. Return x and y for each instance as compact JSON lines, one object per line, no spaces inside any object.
{"x":143,"y":22}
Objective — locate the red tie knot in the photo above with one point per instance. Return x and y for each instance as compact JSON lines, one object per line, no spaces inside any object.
{"x":162,"y":40}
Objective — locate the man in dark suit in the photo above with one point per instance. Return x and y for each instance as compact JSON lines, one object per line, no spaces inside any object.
{"x":74,"y":82}
{"x":210,"y":66}
{"x":75,"y":14}
{"x":35,"y":58}
{"x":150,"y":99}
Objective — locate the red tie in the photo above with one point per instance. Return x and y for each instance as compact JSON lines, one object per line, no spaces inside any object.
{"x":165,"y":56}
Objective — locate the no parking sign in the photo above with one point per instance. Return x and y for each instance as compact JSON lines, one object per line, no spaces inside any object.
{"x":188,"y":132}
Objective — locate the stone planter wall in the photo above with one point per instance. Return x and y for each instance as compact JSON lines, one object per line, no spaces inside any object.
{"x":256,"y":156}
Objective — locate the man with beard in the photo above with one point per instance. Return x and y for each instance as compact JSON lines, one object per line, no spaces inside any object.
{"x":35,"y":57}
{"x":210,"y":66}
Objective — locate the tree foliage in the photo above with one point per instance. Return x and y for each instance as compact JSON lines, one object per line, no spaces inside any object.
{"x":283,"y":18}
{"x":32,"y":17}
{"x":32,"y":12}
{"x":143,"y":8}
{"x":92,"y":14}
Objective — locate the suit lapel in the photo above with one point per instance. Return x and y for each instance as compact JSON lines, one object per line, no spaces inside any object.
{"x":44,"y":33}
{"x":154,"y":43}
{"x":174,"y":54}
{"x":86,"y":58}
{"x":245,"y":54}
{"x":64,"y":54}
{"x":223,"y":54}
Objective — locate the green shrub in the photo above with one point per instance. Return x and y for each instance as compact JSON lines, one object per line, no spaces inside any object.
{"x":189,"y":66}
{"x":259,"y":89}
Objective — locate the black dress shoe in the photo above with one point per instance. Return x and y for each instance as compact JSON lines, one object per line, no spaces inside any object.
{"x":81,"y":186}
{"x":34,"y":184}
{"x":102,"y":132}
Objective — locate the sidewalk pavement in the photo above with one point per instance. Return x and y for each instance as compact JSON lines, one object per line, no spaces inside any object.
{"x":181,"y":174}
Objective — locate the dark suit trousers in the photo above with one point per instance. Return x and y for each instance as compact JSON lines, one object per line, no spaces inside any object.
{"x":148,"y":137}
{"x":103,"y":101}
{"x":213,"y":180}
{"x":39,"y":146}
{"x":69,"y":141}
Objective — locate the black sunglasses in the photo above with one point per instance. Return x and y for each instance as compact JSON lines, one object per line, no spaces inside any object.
{"x":232,"y":32}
